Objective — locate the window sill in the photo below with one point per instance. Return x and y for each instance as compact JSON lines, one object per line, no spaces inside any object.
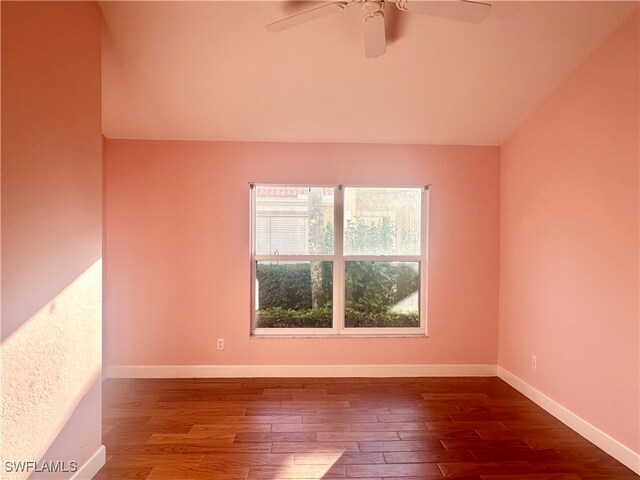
{"x":335,"y":335}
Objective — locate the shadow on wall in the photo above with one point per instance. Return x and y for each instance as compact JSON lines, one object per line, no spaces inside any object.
{"x":47,"y":366}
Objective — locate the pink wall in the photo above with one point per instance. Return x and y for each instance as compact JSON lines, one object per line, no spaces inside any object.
{"x":569,"y":233}
{"x":51,"y":232}
{"x":177,"y":243}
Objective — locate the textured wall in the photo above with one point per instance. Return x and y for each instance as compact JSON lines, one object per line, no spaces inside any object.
{"x":177,"y":250}
{"x":51,"y":232}
{"x":569,"y":242}
{"x":48,"y":366}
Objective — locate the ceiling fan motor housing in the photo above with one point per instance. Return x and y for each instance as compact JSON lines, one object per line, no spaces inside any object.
{"x":373,"y":6}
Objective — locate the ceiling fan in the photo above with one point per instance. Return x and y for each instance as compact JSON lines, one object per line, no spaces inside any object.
{"x":374,"y":29}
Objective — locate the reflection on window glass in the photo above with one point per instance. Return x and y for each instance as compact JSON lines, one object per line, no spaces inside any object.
{"x":382,"y":221}
{"x":294,"y":220}
{"x":294,"y":294}
{"x":382,"y":294}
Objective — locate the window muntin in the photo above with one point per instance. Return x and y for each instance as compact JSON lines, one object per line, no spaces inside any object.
{"x":377,"y":234}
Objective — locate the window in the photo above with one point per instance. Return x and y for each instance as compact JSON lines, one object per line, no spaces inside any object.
{"x":338,"y":260}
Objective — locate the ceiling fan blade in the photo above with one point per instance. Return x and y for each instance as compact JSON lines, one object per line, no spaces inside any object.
{"x":306,"y":16}
{"x":375,"y":43}
{"x":462,"y":10}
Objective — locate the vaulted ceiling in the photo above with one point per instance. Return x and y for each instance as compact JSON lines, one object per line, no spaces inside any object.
{"x":210,"y":71}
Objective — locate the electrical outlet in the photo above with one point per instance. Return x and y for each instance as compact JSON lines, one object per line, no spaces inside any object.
{"x":534,"y":361}
{"x":220,"y":344}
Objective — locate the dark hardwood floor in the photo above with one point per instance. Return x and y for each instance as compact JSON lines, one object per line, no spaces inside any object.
{"x":367,"y":428}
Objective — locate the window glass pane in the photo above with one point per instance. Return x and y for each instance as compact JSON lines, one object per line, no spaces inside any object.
{"x":294,"y":294}
{"x":382,"y":221}
{"x":294,"y":220}
{"x":382,"y":294}
{"x":288,"y":235}
{"x":262,"y":231}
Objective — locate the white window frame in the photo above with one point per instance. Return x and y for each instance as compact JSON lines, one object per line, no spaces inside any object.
{"x":338,"y":326}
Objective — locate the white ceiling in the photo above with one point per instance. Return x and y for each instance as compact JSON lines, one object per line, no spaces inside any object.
{"x":210,"y":71}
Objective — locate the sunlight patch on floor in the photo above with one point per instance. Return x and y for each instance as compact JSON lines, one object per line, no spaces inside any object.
{"x":310,"y":465}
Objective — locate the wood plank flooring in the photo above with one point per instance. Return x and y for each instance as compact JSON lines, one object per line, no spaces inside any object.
{"x":365,"y":428}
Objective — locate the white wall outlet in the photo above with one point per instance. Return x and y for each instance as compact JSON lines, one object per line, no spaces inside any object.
{"x":534,"y":361}
{"x":220,"y":344}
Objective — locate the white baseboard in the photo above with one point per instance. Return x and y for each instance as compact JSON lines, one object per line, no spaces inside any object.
{"x":617,"y":450}
{"x":91,"y":466}
{"x":245,"y":371}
